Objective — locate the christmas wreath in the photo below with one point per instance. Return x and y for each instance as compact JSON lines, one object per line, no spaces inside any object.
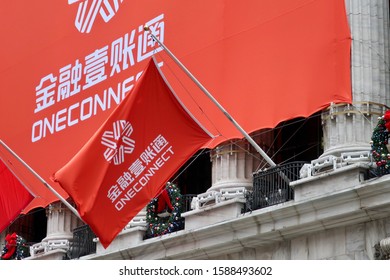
{"x":163,"y":213}
{"x":15,"y":248}
{"x":379,"y":141}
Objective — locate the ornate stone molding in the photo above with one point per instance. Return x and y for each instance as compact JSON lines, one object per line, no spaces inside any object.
{"x":348,"y":127}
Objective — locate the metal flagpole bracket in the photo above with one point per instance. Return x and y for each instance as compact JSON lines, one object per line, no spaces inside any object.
{"x":205,"y":91}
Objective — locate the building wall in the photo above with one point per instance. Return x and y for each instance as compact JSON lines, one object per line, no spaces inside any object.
{"x":347,"y":128}
{"x":342,"y":243}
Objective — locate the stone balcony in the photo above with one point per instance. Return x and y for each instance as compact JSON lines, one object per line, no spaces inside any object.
{"x":336,"y":198}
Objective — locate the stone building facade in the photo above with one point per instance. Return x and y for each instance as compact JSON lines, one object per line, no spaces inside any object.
{"x":339,"y":211}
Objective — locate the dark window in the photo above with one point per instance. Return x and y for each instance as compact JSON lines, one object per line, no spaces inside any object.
{"x":32,"y":226}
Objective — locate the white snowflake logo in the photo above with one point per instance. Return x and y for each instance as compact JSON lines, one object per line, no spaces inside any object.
{"x":120,"y":134}
{"x":89,"y":9}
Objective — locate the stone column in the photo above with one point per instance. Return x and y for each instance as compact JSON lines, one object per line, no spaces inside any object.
{"x":348,"y":128}
{"x":231,"y":167}
{"x":60,"y":222}
{"x":233,"y":164}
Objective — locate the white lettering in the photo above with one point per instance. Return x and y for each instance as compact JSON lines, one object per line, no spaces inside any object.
{"x":127,"y":86}
{"x":159,"y":162}
{"x":60,"y":120}
{"x":83,"y":115}
{"x":119,"y":205}
{"x":81,"y":111}
{"x":168,"y":157}
{"x":36,"y":137}
{"x":102,"y":103}
{"x":116,"y":96}
{"x":71,"y":108}
{"x":145,"y":179}
{"x":134,"y":187}
{"x":48,"y":125}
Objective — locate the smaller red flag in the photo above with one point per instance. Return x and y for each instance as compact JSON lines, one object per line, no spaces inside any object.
{"x":128,"y":161}
{"x":14,"y":197}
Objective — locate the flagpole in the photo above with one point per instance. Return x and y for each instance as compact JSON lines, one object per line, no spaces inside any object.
{"x":205,"y":91}
{"x":63,"y":200}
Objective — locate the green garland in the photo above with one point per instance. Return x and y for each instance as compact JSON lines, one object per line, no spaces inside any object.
{"x":380,"y":153}
{"x":157,"y":225}
{"x":16,"y":248}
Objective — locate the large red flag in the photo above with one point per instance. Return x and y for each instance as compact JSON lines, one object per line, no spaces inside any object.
{"x":132,"y":155}
{"x":14,"y":197}
{"x":265,"y":61}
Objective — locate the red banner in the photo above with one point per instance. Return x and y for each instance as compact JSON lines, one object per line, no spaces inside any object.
{"x":131,"y":157}
{"x":65,"y":65}
{"x":14,"y":197}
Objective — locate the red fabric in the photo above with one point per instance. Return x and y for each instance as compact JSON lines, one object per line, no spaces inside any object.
{"x":386,"y":117}
{"x":121,"y":168}
{"x":163,"y":201}
{"x":10,"y":245}
{"x":13,"y":197}
{"x":265,"y":61}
